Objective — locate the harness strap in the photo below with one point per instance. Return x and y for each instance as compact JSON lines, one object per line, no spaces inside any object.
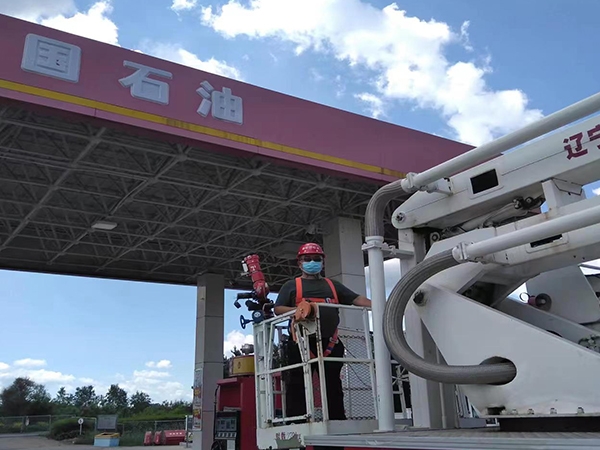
{"x":300,"y":298}
{"x":298,"y":290}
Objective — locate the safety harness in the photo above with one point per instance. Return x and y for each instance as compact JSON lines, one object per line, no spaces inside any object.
{"x":306,"y":309}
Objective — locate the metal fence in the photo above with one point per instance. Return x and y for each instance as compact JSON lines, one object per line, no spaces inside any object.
{"x":43,"y":424}
{"x":141,"y":426}
{"x":28,"y":424}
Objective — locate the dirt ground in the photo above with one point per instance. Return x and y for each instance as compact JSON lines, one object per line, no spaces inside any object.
{"x":20,"y":442}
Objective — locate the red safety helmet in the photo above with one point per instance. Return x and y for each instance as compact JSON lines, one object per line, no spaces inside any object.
{"x":311,"y":249}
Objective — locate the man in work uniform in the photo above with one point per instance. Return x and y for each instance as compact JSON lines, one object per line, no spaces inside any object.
{"x":317,"y":289}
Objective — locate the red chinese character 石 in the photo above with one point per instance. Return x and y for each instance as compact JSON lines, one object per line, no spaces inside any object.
{"x":578,"y":150}
{"x":594,"y":134}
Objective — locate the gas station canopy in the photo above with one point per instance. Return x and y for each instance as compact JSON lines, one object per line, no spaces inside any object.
{"x":119,"y":165}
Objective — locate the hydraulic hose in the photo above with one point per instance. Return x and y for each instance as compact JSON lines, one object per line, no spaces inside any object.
{"x":376,"y":206}
{"x":498,"y":373}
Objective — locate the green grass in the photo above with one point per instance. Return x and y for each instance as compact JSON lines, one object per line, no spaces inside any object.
{"x":10,"y":426}
{"x":132,"y":439}
{"x":69,"y":429}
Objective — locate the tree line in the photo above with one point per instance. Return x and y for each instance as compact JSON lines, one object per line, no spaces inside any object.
{"x":24,"y":397}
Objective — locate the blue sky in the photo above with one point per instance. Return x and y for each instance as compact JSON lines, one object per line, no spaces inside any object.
{"x":467,"y":70}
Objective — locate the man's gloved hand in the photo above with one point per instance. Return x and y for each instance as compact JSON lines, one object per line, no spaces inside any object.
{"x":305,"y":310}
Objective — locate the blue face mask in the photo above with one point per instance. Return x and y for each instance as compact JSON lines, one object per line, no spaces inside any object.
{"x":312,"y":267}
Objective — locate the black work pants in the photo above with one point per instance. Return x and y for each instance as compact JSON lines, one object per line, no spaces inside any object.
{"x":295,"y":397}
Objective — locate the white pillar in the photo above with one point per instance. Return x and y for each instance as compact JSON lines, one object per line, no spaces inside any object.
{"x":342,"y":243}
{"x":209,"y":355}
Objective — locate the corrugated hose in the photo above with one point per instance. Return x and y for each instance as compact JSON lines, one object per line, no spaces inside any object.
{"x":496,"y":373}
{"x":493,"y":373}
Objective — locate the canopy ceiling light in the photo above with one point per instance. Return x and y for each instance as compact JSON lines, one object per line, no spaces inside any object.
{"x":104,"y":225}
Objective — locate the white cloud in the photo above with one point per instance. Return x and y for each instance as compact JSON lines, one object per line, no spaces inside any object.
{"x":63,"y":15}
{"x":596,"y":191}
{"x":464,"y":36}
{"x":30,"y":368}
{"x":316,"y":75}
{"x":340,"y":86}
{"x":391,"y":271}
{"x":179,"y":55}
{"x":96,"y":24}
{"x":374,"y":104}
{"x":406,"y":55}
{"x":236,"y":339}
{"x":69,"y":388}
{"x":154,"y":383}
{"x":28,"y":362}
{"x":36,"y":10}
{"x":158,"y":384}
{"x":162,"y":364}
{"x":49,"y":376}
{"x":93,"y":24}
{"x":42,"y":376}
{"x":150,"y":374}
{"x":183,"y":5}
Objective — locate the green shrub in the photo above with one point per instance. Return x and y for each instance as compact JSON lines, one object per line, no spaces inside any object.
{"x":85,"y":439}
{"x":35,"y":427}
{"x":134,"y":439}
{"x":157,"y":415}
{"x":68,"y":429}
{"x":11,"y":426}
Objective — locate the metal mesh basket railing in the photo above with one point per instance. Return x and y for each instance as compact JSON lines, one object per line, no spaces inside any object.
{"x":358,"y":378}
{"x":273,"y":369}
{"x":358,"y":392}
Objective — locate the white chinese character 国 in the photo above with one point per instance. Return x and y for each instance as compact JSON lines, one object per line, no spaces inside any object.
{"x":52,"y":58}
{"x":144,"y":88}
{"x":223,"y":104}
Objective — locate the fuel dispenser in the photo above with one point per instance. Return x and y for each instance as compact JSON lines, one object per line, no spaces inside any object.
{"x":235,"y":403}
{"x":235,"y":416}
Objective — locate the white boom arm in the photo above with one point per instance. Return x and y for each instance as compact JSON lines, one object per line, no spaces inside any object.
{"x":478,"y":194}
{"x":484,"y":236}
